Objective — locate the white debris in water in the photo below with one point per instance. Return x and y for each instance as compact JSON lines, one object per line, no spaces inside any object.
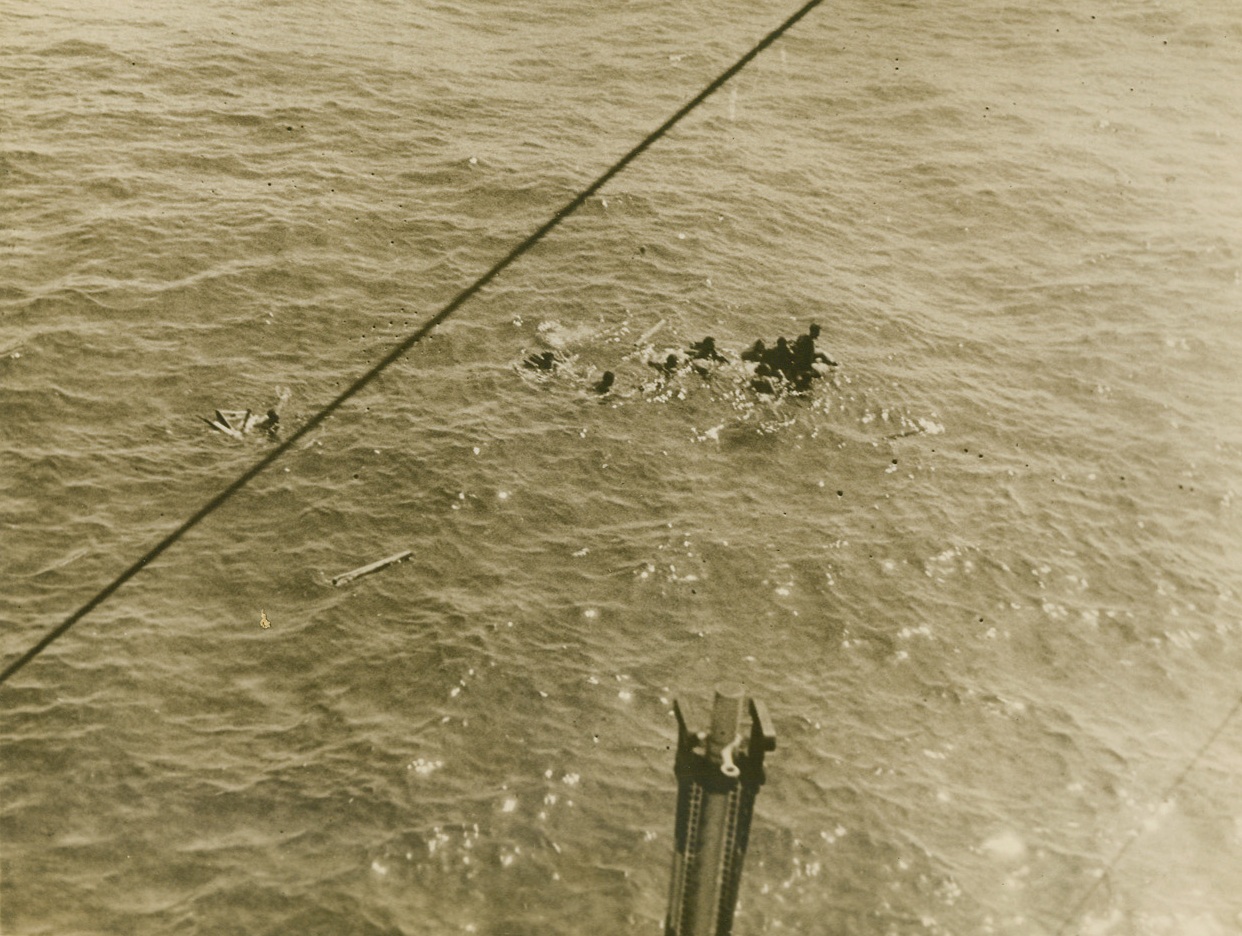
{"x":378,"y":868}
{"x":591,"y":613}
{"x":1054,"y":610}
{"x":831,"y":837}
{"x":424,"y":767}
{"x":922,"y":630}
{"x":509,"y":805}
{"x":1005,"y":846}
{"x":1158,"y":813}
{"x":625,"y":695}
{"x":438,"y":838}
{"x":1183,"y":639}
{"x":570,"y":779}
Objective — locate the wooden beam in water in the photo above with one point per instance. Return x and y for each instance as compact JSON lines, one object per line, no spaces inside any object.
{"x":649,"y":334}
{"x":346,"y":577}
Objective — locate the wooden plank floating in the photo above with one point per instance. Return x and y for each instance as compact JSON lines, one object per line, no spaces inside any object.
{"x":221,"y":424}
{"x":649,"y":334}
{"x":345,"y":577}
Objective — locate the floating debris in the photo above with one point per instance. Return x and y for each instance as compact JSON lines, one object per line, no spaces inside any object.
{"x":646,"y":336}
{"x":236,"y":424}
{"x":224,"y":422}
{"x":346,"y":577}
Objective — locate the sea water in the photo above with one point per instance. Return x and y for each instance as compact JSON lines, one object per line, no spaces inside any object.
{"x":985,"y":575}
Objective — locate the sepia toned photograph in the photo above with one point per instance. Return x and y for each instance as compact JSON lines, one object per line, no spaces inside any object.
{"x":570,"y":469}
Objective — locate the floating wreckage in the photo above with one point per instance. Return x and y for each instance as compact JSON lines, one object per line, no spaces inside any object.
{"x":346,"y":577}
{"x":237,"y":424}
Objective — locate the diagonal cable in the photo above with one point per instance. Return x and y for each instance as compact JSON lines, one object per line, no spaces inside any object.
{"x":400,"y":349}
{"x":1077,"y":909}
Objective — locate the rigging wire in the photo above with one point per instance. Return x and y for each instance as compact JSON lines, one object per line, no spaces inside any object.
{"x":1077,"y":909}
{"x":401,"y":348}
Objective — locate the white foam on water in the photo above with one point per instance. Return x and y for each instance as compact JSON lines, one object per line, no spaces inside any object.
{"x":1005,"y":846}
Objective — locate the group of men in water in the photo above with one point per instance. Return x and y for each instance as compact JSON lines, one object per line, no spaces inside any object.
{"x":791,"y":365}
{"x":794,"y":363}
{"x":786,"y":365}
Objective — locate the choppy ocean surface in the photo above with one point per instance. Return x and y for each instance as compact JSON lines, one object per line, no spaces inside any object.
{"x":987,"y":576}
